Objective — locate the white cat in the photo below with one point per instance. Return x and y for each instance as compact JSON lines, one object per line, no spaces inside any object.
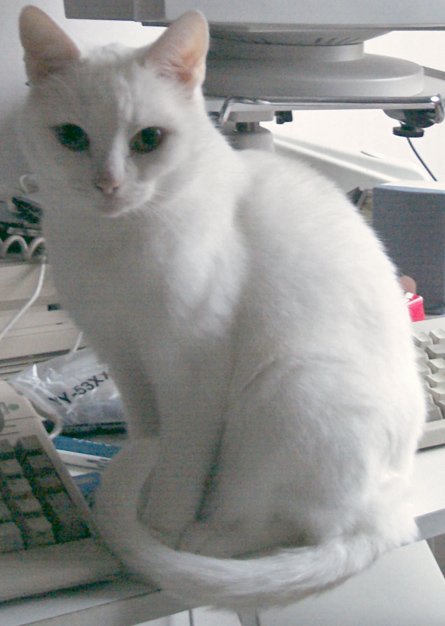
{"x":252,"y":322}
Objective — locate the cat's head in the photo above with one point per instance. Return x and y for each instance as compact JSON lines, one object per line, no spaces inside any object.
{"x":118,"y":127}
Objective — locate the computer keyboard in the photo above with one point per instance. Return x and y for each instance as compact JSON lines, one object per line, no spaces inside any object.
{"x":429,"y":338}
{"x":47,"y":539}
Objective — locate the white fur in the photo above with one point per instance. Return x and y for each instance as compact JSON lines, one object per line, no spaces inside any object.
{"x":253,"y":324}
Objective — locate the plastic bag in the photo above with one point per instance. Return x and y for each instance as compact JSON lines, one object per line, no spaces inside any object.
{"x":75,"y":387}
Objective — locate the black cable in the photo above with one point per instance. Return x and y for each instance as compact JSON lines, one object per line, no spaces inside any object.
{"x":420,"y":159}
{"x":191,"y":618}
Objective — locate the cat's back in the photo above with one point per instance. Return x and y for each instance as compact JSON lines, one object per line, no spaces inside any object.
{"x":321,"y":290}
{"x":291,"y":191}
{"x":319,"y":276}
{"x":295,"y":218}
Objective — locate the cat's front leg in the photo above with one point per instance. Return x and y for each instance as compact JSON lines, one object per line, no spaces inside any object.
{"x":177,"y":484}
{"x":137,"y":393}
{"x":191,"y":426}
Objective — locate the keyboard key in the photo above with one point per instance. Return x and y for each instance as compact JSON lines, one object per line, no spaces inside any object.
{"x":36,"y":531}
{"x":435,"y":380}
{"x":10,"y":538}
{"x":10,"y":468}
{"x":67,"y":523}
{"x":5,"y":513}
{"x":26,"y":446}
{"x":441,"y":406}
{"x":6,"y":450}
{"x":437,"y":335}
{"x":16,"y":488}
{"x":436,"y":351}
{"x":438,"y":393}
{"x":38,"y":464}
{"x":422,"y":340}
{"x":29,"y":506}
{"x":421,"y":355}
{"x":437,"y":366}
{"x":433,"y":412}
{"x":47,"y":483}
{"x":423,"y":368}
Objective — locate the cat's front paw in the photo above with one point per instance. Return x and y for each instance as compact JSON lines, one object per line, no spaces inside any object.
{"x":202,"y":538}
{"x":167,"y":537}
{"x":167,"y":529}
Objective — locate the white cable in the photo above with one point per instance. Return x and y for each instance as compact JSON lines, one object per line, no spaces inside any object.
{"x":78,"y":342}
{"x":30,"y":302}
{"x":58,"y":425}
{"x":53,"y":418}
{"x":14,"y":239}
{"x":29,"y":252}
{"x":35,"y":244}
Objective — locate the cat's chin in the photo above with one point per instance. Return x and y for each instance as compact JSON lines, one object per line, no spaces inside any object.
{"x":111,"y":212}
{"x":115,"y":207}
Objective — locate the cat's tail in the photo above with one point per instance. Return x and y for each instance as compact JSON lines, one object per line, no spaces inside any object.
{"x":284,"y":577}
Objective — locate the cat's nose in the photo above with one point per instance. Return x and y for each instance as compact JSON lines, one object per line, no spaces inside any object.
{"x":108,"y":183}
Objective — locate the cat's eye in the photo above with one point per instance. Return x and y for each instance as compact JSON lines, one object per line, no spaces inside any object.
{"x":72,"y":137}
{"x":147,"y":140}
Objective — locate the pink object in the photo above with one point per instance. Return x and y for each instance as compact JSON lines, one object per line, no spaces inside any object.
{"x":415,"y":307}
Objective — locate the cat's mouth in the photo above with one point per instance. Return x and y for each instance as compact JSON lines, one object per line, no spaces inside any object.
{"x":115,"y":206}
{"x":111,"y":206}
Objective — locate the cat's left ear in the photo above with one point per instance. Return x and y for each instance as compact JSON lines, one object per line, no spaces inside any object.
{"x":47,"y":48}
{"x":180,"y":52}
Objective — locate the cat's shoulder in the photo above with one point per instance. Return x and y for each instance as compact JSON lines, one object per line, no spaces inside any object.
{"x":290,"y":186}
{"x":272,"y":169}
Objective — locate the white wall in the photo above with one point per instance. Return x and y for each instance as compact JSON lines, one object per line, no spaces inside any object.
{"x":370,"y":131}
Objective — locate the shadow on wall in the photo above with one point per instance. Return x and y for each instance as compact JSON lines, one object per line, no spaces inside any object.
{"x":12,"y":161}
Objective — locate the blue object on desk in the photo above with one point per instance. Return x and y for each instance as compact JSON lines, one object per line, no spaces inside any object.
{"x":82,"y":446}
{"x":87,"y":485}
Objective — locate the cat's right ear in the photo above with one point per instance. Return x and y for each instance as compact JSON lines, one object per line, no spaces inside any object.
{"x":180,"y":52}
{"x":48,"y":49}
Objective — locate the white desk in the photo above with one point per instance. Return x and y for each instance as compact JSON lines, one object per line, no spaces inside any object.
{"x":106,"y":604}
{"x":429,"y":491}
{"x":403,"y":588}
